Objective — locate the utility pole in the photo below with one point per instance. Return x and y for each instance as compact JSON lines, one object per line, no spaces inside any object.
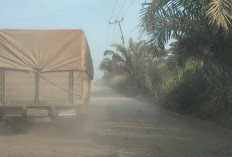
{"x":119,"y":24}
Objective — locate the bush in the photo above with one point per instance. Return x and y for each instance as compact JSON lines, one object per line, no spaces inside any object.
{"x":194,"y":89}
{"x":205,"y":93}
{"x":185,"y":98}
{"x":129,"y":86}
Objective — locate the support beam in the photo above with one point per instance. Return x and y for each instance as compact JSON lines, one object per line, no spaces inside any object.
{"x":70,"y":87}
{"x":37,"y":86}
{"x":2,"y":86}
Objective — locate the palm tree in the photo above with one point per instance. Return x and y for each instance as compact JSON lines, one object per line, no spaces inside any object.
{"x":126,"y":60}
{"x":220,"y":13}
{"x":166,"y":19}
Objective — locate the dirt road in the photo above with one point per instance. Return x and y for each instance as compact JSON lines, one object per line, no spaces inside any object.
{"x":118,"y":126}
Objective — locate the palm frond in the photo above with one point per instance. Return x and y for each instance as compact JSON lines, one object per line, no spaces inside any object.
{"x":122,"y":50}
{"x":126,"y":60}
{"x":220,"y":13}
{"x":108,"y":52}
{"x":166,"y":19}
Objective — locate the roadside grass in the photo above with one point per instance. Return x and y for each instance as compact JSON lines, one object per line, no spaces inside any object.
{"x":189,"y":90}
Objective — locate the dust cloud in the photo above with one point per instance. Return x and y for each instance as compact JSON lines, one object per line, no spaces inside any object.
{"x":118,"y":126}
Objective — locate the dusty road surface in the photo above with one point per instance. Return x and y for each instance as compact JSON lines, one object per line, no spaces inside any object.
{"x":117,"y":126}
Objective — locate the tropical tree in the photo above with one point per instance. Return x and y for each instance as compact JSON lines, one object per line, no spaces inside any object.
{"x":220,"y":13}
{"x":127,"y":61}
{"x":166,"y":19}
{"x":202,"y":31}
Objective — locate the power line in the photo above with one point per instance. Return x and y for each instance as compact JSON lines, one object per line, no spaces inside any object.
{"x":121,"y":8}
{"x":108,"y":33}
{"x":128,"y":8}
{"x":108,"y":44}
{"x":118,"y":36}
{"x":113,"y":33}
{"x":131,"y":31}
{"x":113,"y":9}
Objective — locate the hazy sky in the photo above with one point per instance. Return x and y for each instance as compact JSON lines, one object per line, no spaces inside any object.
{"x":90,"y":15}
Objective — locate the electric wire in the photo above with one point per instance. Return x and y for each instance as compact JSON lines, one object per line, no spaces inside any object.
{"x":108,"y":32}
{"x":113,"y":9}
{"x":108,"y":44}
{"x":113,"y":35}
{"x":121,"y":8}
{"x":131,"y":31}
{"x":128,"y":8}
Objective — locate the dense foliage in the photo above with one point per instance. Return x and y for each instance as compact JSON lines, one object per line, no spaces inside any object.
{"x":203,"y":36}
{"x":195,"y":75}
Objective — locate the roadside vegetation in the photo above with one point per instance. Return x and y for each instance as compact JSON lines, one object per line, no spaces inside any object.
{"x":193,"y":76}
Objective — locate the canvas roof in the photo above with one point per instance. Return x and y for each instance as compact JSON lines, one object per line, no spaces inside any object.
{"x":47,"y":50}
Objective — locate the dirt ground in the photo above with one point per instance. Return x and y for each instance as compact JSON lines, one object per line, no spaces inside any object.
{"x":117,"y":126}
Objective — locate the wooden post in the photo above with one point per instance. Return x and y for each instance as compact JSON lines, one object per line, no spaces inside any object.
{"x":70,"y":87}
{"x":2,"y":86}
{"x":37,"y":86}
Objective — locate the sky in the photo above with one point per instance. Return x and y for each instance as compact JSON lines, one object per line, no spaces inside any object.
{"x":92,"y":16}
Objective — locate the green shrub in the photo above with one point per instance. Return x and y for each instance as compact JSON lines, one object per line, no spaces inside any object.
{"x":205,"y":93}
{"x":127,"y":85}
